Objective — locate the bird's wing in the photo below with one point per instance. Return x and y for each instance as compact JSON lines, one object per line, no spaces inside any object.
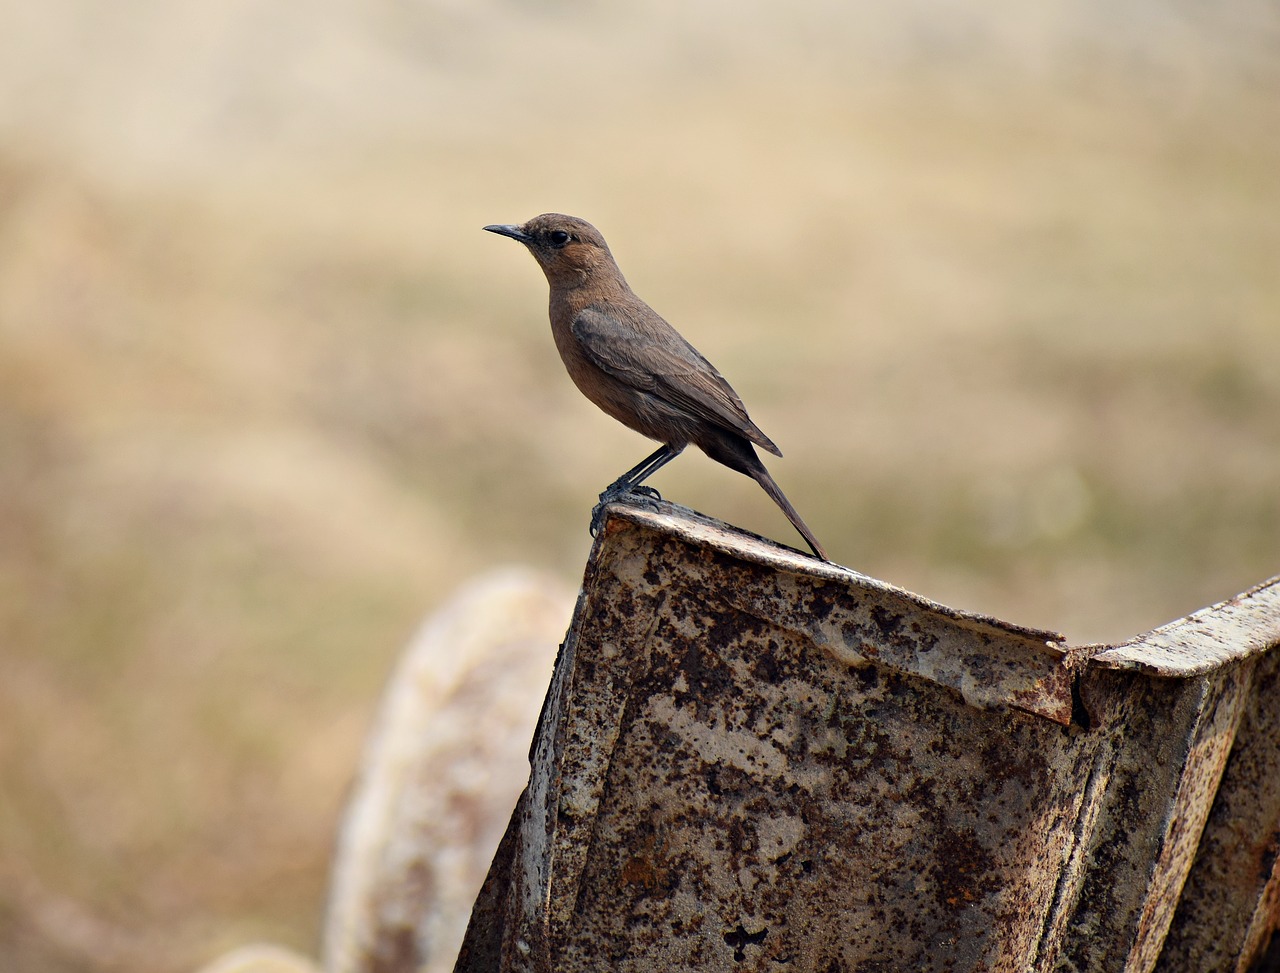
{"x":655,"y":359}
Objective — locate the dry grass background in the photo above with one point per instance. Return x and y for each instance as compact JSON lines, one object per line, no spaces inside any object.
{"x":1003,"y":283}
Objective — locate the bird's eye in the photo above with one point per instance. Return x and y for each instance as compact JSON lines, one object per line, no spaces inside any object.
{"x":558,"y":238}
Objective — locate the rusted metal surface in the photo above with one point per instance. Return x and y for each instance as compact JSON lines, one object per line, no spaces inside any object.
{"x":1230,"y":905}
{"x":749,"y":760}
{"x":859,"y":620}
{"x":1168,"y":741}
{"x":1232,"y":631}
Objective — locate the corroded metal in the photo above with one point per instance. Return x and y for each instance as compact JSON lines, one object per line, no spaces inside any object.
{"x":1230,"y":906}
{"x":1236,"y":630}
{"x":749,"y":760}
{"x":1167,"y":744}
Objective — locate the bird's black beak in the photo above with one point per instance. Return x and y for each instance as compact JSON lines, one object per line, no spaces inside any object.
{"x":506,"y":229}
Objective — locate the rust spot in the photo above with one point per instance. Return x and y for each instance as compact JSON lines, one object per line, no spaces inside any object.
{"x":648,"y":863}
{"x":963,"y":870}
{"x":887,"y":622}
{"x":739,"y":939}
{"x":765,"y":666}
{"x":821,"y":603}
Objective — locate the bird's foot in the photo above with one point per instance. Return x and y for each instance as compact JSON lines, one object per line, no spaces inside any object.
{"x":621,"y":488}
{"x":641,"y":496}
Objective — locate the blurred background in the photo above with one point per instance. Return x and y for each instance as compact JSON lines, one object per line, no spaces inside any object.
{"x":1002,"y":280}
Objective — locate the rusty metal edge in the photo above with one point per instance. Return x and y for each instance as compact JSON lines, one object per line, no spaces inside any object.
{"x":1233,"y":630}
{"x":698,"y":528}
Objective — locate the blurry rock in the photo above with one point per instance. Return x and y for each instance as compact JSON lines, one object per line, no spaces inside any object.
{"x":443,"y":767}
{"x":261,"y":959}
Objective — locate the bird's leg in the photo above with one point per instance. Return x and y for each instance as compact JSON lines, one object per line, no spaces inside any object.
{"x":629,"y":483}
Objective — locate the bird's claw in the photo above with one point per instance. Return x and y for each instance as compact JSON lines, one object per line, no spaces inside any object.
{"x":620,"y":489}
{"x":597,"y":519}
{"x":641,"y":496}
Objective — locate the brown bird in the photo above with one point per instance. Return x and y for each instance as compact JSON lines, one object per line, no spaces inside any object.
{"x":631,"y":363}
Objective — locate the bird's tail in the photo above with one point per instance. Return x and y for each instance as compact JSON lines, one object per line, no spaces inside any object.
{"x":737,"y":453}
{"x":761,"y":476}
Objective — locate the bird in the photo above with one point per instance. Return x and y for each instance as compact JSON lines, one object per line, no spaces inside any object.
{"x":624,"y":357}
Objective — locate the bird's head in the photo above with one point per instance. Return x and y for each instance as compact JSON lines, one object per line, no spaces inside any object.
{"x":570,"y":251}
